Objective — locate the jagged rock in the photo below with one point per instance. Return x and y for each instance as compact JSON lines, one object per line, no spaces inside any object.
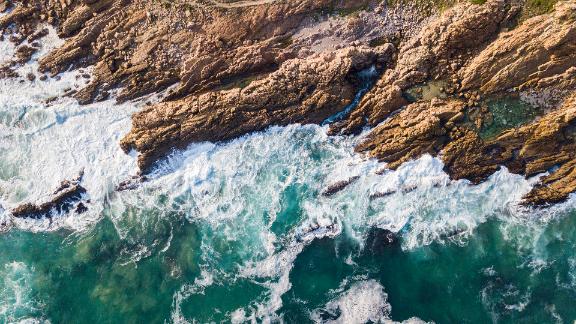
{"x":242,"y":68}
{"x":80,"y":16}
{"x":540,"y":53}
{"x":555,"y":187}
{"x":7,"y":72}
{"x":4,"y":5}
{"x":338,"y":186}
{"x":301,"y":91}
{"x":65,"y":198}
{"x":130,"y":184}
{"x":145,"y":47}
{"x":436,"y":128}
{"x":24,"y":54}
{"x":80,"y":208}
{"x":37,"y":35}
{"x":18,"y":15}
{"x":444,"y":43}
{"x":521,"y":57}
{"x":22,"y":20}
{"x":531,"y":149}
{"x":420,"y":128}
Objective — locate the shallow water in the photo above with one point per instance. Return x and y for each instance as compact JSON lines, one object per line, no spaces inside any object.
{"x":507,"y":113}
{"x":239,"y":231}
{"x":427,"y":91}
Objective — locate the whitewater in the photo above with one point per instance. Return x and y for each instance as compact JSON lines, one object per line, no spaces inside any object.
{"x":240,"y":231}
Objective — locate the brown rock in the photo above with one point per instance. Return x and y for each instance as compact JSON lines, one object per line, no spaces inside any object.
{"x":64,"y":199}
{"x":37,"y":35}
{"x":539,"y":53}
{"x":241,"y":68}
{"x":137,"y":44}
{"x":24,"y":54}
{"x":521,"y":57}
{"x":301,"y":91}
{"x":6,"y":72}
{"x":418,"y":129}
{"x":4,"y":5}
{"x":338,"y":186}
{"x":460,"y":30}
{"x":529,"y":150}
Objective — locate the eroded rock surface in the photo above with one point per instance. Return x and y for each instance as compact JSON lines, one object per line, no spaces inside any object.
{"x":438,"y":51}
{"x":539,"y":53}
{"x":144,"y":47}
{"x":67,"y":197}
{"x":301,"y":91}
{"x":531,"y":149}
{"x":537,"y":56}
{"x":420,"y":128}
{"x":241,"y":67}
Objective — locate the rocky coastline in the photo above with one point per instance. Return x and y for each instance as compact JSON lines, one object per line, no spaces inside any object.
{"x":228,"y":69}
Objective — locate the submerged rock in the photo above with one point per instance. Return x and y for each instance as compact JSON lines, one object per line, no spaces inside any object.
{"x":339,"y":186}
{"x":381,"y":240}
{"x":131,"y":183}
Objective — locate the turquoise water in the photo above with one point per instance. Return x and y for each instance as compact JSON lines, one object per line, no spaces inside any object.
{"x":225,"y":236}
{"x":240,"y":232}
{"x":506,"y":113}
{"x":490,"y":277}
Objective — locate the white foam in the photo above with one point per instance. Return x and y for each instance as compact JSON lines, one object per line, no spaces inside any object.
{"x":16,"y":303}
{"x":234,"y":190}
{"x":364,"y":301}
{"x":277,"y":267}
{"x":43,"y":144}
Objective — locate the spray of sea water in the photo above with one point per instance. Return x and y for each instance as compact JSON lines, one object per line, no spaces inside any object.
{"x":240,"y":231}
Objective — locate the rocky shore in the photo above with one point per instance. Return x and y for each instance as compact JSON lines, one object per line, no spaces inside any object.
{"x":67,"y":197}
{"x":228,"y":69}
{"x":536,"y":59}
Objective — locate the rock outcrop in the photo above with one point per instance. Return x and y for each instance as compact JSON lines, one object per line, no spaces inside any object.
{"x":420,"y":128}
{"x":243,"y":66}
{"x":438,"y":51}
{"x":143,"y":47}
{"x":539,"y":53}
{"x":537,"y":56}
{"x":301,"y":91}
{"x":68,"y":196}
{"x":437,"y":128}
{"x":545,"y":145}
{"x":555,"y":187}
